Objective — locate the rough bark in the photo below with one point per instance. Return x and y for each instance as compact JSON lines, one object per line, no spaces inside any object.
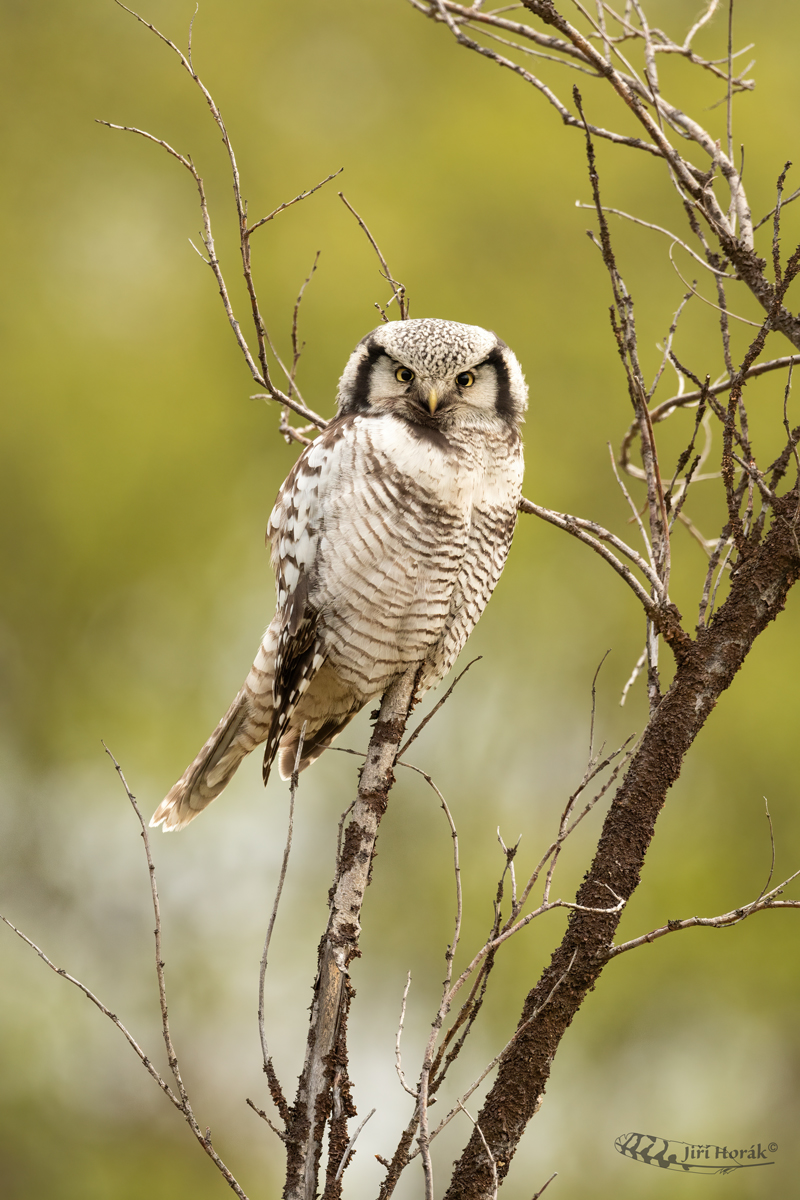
{"x":324,"y":1090}
{"x":705,"y":668}
{"x":750,"y":269}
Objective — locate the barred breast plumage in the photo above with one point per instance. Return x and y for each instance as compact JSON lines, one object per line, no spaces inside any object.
{"x":388,"y":537}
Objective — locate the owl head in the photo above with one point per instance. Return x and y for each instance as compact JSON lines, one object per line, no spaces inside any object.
{"x":434,"y":373}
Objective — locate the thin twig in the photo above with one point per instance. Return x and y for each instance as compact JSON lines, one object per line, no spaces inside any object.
{"x":729,"y":95}
{"x":436,"y":707}
{"x":162,"y":987}
{"x":490,"y":1156}
{"x":399,"y":292}
{"x":398,"y":1059}
{"x":262,"y":973}
{"x":767,"y":216}
{"x":700,"y":22}
{"x":208,"y":240}
{"x":151,"y":1070}
{"x":295,"y":405}
{"x":350,"y":1146}
{"x":497,"y":1058}
{"x":730,"y":544}
{"x":693,"y":289}
{"x":423,"y":1088}
{"x":542,"y":39}
{"x":297,"y":349}
{"x":676,"y":241}
{"x":546,"y":1184}
{"x":278,"y":1133}
{"x":791,"y":439}
{"x":288,"y":203}
{"x":636,"y":517}
{"x":685,"y":399}
{"x":637,"y":668}
{"x":261,"y":372}
{"x":579,"y":529}
{"x":765,"y":888}
{"x":667,"y":345}
{"x":180,"y":1101}
{"x":724,"y":921}
{"x":594,"y":704}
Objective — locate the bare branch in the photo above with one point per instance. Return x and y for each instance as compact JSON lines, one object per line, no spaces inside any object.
{"x":564,"y":62}
{"x":706,"y":606}
{"x":698,"y":25}
{"x":162,"y":987}
{"x":180,"y":1101}
{"x":350,"y":1146}
{"x":634,"y":510}
{"x":634,"y":675}
{"x":326,"y":1050}
{"x":772,"y":211}
{"x":497,"y":1059}
{"x":398,"y":290}
{"x":667,"y":407}
{"x":489,"y":1155}
{"x":444,"y":7}
{"x":250,"y":230}
{"x":278,"y":1132}
{"x":578,"y":528}
{"x":729,"y":97}
{"x":594,"y":706}
{"x":436,"y":707}
{"x":791,"y":438}
{"x":262,"y":974}
{"x":307,"y":413}
{"x":724,"y":921}
{"x":676,"y":241}
{"x":208,"y":240}
{"x":398,"y":1060}
{"x":765,"y":888}
{"x":693,"y":289}
{"x":546,"y":1184}
{"x":260,"y":373}
{"x":146,"y":1063}
{"x":423,"y":1088}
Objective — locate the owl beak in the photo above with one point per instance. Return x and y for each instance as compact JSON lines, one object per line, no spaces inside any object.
{"x":433,"y":400}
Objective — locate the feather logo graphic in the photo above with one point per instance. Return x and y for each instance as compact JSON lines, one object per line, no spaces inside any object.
{"x":699,"y":1159}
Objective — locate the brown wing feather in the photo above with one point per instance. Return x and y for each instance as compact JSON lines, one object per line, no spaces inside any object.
{"x":297,"y":662}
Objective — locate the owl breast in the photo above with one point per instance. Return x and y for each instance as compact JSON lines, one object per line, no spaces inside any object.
{"x":401,"y":538}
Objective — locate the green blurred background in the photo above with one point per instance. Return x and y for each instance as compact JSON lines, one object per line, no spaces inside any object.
{"x":136,"y":480}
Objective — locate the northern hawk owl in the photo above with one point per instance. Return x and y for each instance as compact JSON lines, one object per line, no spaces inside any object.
{"x":388,"y":538}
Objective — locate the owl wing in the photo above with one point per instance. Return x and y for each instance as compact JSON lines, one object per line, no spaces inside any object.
{"x":294,"y":530}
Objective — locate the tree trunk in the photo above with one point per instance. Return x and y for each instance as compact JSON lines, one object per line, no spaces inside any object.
{"x":705,"y":668}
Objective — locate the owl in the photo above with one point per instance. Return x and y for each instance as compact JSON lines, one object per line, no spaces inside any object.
{"x":388,"y":538}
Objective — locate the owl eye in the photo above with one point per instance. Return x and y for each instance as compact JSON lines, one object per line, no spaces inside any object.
{"x":465,"y":379}
{"x":404,"y":374}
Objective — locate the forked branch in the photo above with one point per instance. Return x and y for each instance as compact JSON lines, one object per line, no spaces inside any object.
{"x":258,"y":363}
{"x":180,"y":1100}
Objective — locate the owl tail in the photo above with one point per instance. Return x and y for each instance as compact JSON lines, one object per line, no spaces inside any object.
{"x":211,"y":771}
{"x":243,"y":727}
{"x":314,"y":744}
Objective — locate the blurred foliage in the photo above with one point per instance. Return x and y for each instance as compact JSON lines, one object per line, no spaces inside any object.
{"x":136,"y":477}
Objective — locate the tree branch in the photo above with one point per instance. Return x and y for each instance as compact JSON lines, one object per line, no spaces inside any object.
{"x":324,"y":1076}
{"x":705,"y":669}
